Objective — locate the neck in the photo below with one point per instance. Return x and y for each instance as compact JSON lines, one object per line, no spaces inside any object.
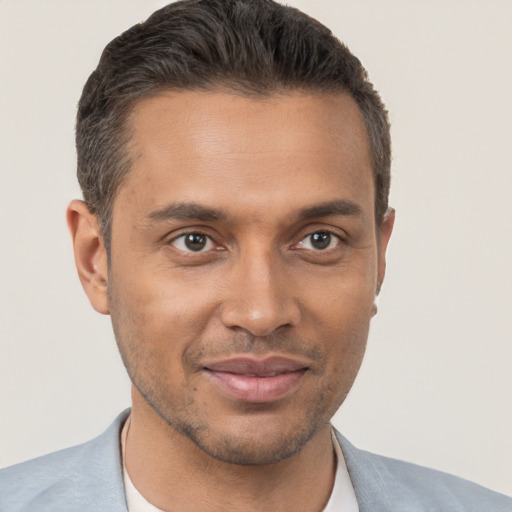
{"x":172,"y":473}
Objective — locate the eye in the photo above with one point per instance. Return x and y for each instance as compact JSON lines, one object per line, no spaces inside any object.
{"x":319,"y":241}
{"x":193,"y":242}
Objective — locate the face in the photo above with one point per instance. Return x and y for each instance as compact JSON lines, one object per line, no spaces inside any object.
{"x":244,"y":265}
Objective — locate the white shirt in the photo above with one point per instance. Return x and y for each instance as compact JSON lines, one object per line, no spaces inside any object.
{"x":343,"y":498}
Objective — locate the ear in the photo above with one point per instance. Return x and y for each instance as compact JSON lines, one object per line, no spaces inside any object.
{"x":383,"y":236}
{"x":90,"y":254}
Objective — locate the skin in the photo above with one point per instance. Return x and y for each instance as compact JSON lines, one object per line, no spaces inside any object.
{"x":274,"y":173}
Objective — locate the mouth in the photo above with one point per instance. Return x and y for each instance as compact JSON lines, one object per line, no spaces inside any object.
{"x":256,"y":380}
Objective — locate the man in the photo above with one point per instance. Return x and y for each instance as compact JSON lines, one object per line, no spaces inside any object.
{"x":234,"y":161}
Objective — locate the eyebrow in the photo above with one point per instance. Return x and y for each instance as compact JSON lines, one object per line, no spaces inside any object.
{"x":337,"y":207}
{"x":187,"y":211}
{"x":196,"y":212}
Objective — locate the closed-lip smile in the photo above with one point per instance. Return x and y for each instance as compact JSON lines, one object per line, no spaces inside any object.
{"x":256,"y":380}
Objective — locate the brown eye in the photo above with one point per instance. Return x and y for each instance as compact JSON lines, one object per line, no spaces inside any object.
{"x":193,"y":242}
{"x":319,"y":241}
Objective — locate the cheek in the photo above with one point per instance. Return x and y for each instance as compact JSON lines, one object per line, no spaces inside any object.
{"x":342,"y":300}
{"x":159,"y":321}
{"x":339,"y":317}
{"x":345,"y":355}
{"x":166,"y":302}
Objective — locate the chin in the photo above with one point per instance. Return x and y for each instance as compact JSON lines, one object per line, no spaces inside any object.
{"x":253,"y":443}
{"x":247,"y":450}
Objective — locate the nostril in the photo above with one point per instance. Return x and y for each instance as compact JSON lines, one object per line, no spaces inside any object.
{"x":259,"y":322}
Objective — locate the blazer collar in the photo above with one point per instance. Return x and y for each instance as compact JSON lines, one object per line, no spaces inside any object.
{"x":98,"y":472}
{"x":375,"y":487}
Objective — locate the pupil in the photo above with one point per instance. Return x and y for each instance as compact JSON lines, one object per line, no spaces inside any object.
{"x":195,"y":242}
{"x":320,"y":240}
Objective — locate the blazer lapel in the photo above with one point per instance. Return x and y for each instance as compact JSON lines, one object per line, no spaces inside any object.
{"x":375,"y":488}
{"x":94,"y":475}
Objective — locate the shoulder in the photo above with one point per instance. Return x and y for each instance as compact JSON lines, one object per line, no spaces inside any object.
{"x":382,"y":483}
{"x":69,"y":479}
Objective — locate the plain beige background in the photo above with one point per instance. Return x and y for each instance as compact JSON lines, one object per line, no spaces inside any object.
{"x":436,"y":385}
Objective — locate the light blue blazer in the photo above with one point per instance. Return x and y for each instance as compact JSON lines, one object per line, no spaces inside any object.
{"x":88,"y":478}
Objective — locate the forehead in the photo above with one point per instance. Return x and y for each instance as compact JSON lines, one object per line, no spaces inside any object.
{"x":213,"y":121}
{"x":211,"y":144}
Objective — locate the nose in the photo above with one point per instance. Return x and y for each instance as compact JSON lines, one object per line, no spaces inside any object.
{"x":260,"y":299}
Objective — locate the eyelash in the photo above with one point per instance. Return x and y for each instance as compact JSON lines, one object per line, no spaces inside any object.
{"x":332,"y":237}
{"x":182,"y":236}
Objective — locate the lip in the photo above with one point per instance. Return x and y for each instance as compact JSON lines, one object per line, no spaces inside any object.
{"x":256,"y":380}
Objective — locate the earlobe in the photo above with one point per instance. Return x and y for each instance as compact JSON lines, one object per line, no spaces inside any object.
{"x":90,"y":254}
{"x":384,"y":234}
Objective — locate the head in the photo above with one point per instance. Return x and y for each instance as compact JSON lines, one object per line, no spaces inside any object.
{"x":254,"y":48}
{"x":234,"y":161}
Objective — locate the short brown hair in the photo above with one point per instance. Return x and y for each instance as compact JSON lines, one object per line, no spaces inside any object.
{"x":252,"y":47}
